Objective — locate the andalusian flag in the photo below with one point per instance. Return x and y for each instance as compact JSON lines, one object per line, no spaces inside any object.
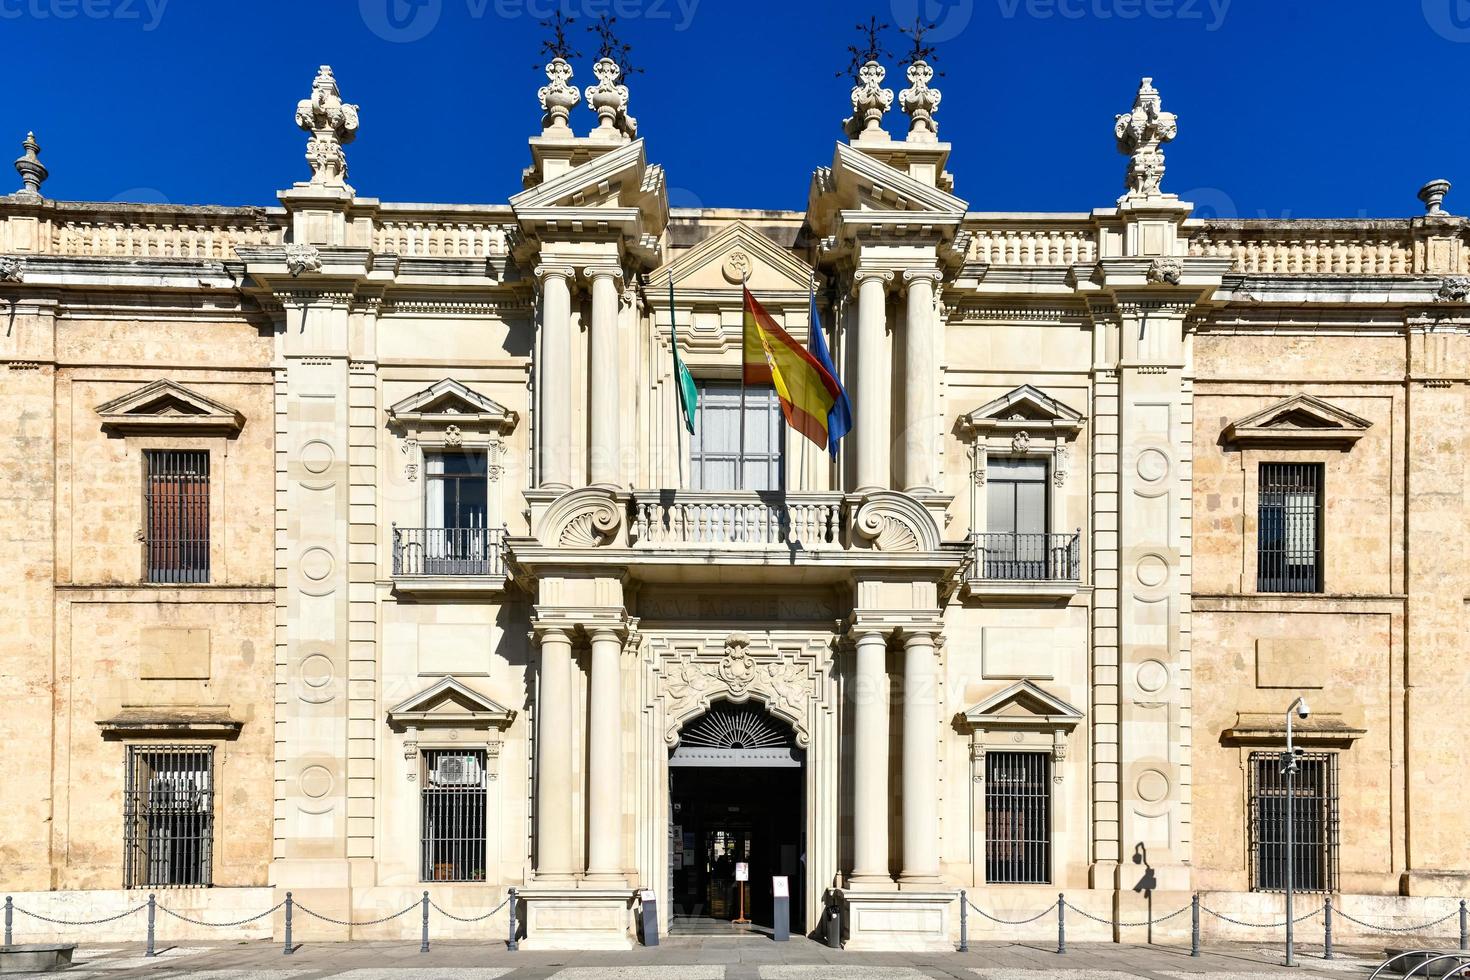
{"x":806,"y":389}
{"x":688,"y":394}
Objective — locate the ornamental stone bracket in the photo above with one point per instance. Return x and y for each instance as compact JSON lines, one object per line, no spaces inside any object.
{"x":689,"y":675}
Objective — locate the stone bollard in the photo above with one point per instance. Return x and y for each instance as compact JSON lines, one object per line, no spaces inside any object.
{"x":9,"y":919}
{"x":1327,"y":928}
{"x":287,"y":950}
{"x":1061,"y":923}
{"x":1194,"y":925}
{"x":964,"y":921}
{"x":511,"y":943}
{"x":424,"y":942}
{"x":152,"y":918}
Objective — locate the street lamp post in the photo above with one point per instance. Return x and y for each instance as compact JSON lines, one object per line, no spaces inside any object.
{"x":1288,"y":766}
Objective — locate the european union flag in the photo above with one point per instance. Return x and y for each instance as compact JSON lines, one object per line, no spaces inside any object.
{"x":839,"y":418}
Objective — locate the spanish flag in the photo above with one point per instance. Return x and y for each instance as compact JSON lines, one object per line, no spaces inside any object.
{"x":807,"y":390}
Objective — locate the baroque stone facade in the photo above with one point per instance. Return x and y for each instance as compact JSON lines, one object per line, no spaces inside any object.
{"x":1121,"y":486}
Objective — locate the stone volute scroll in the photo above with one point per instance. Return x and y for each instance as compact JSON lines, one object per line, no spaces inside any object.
{"x":1141,"y":133}
{"x":591,"y":517}
{"x":332,"y":124}
{"x":894,"y":522}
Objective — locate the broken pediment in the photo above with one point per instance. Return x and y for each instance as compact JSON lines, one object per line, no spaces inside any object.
{"x":1025,"y":408}
{"x":166,"y":406}
{"x":1299,"y":420}
{"x":448,"y":402}
{"x":739,"y":254}
{"x":449,"y":703}
{"x":1023,"y":705}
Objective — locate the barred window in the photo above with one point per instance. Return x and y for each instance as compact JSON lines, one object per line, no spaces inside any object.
{"x":177,"y":508}
{"x":168,"y":816}
{"x":1289,"y":552}
{"x":1314,"y":822}
{"x":452,"y":835}
{"x":1018,"y":818}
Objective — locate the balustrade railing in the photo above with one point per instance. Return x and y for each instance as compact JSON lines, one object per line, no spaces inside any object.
{"x":1019,"y":244}
{"x":1008,"y":557}
{"x":1309,"y":248}
{"x":448,"y":551}
{"x":734,"y":518}
{"x":470,"y":238}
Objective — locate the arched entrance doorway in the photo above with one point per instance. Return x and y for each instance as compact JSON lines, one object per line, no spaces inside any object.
{"x":736,"y":796}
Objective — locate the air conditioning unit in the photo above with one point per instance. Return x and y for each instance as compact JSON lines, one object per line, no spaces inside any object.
{"x":456,"y":770}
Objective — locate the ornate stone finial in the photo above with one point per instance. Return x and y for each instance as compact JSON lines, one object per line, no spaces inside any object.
{"x":920,"y":102}
{"x":12,"y":269}
{"x":302,"y":257}
{"x":1140,"y":134}
{"x":32,"y":171}
{"x":558,"y":99}
{"x":1432,"y":194}
{"x":610,"y":101}
{"x":332,"y":124}
{"x":870,"y":100}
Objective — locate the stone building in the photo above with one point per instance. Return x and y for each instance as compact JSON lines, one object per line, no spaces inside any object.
{"x":356,"y":549}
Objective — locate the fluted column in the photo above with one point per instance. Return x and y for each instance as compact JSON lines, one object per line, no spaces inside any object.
{"x":921,"y":385}
{"x":605,"y":758}
{"x":870,"y":762}
{"x":871,"y":427}
{"x":554,"y":817}
{"x":554,"y":425}
{"x":605,"y":397}
{"x":920,"y":763}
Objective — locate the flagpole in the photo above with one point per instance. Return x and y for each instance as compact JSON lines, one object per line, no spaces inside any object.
{"x":740,"y":456}
{"x":678,"y":392}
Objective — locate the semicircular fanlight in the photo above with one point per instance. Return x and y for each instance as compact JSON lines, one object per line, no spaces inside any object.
{"x":728,"y":728}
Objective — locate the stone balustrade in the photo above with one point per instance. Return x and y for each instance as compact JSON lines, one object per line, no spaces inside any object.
{"x":1031,"y":243}
{"x":811,"y":521}
{"x":137,"y":231}
{"x":1381,"y":248}
{"x":477,"y":234}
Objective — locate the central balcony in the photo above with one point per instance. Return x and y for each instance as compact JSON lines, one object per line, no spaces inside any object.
{"x":750,"y":519}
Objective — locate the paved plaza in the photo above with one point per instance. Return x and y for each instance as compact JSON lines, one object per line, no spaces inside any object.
{"x":705,"y":958}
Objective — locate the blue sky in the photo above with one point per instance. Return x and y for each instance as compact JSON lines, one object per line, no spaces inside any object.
{"x":1287,"y":108}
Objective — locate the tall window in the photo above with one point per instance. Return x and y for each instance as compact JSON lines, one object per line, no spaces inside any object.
{"x":168,"y":816}
{"x":177,"y":507}
{"x":1289,"y":529}
{"x":452,"y":831}
{"x":1015,"y":538}
{"x":715,"y":450}
{"x":1314,"y":819}
{"x":1018,"y":818}
{"x":455,"y":537}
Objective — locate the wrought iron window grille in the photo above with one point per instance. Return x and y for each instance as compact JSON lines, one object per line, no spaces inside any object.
{"x":168,"y":816}
{"x":1018,"y":818}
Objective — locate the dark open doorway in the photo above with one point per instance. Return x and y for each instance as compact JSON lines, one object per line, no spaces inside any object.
{"x":736,"y":796}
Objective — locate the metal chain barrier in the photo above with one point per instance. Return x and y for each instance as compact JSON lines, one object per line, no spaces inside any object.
{"x":221,"y":925}
{"x":1262,"y":925}
{"x":82,"y":922}
{"x":477,"y":918}
{"x":370,"y":922}
{"x":1011,"y":922}
{"x":1127,"y":925}
{"x":1337,"y":911}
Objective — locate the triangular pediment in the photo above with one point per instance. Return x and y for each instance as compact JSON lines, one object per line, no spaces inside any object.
{"x":1023,"y":705}
{"x":1026,"y":407}
{"x":450,"y":702}
{"x":858,"y":191}
{"x":1300,"y":419}
{"x":723,"y":261}
{"x":611,"y":180}
{"x":168,"y":405}
{"x":449,"y":402}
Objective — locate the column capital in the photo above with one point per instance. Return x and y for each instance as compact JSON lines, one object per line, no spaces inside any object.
{"x":553,"y":271}
{"x":900,"y":624}
{"x":542,"y":632}
{"x":865,"y":273}
{"x":931,"y":276}
{"x":596,"y":272}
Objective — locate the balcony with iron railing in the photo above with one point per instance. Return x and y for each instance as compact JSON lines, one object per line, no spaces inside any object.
{"x":1004,"y":563}
{"x":448,"y":559}
{"x":735,"y":519}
